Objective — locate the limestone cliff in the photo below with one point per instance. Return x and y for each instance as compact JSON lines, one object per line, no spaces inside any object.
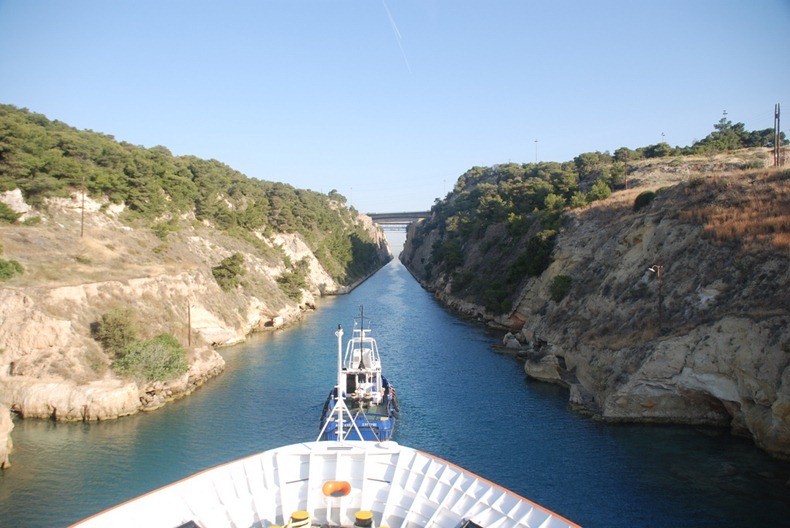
{"x":6,"y":425}
{"x":705,"y":342}
{"x":50,"y":364}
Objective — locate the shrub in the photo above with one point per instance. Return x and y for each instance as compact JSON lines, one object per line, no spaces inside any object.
{"x":560,"y":287}
{"x":448,"y":252}
{"x":697,"y":181}
{"x":162,"y":229}
{"x":752,"y":164}
{"x":518,"y":224}
{"x":643,"y":199}
{"x":579,"y":199}
{"x":158,"y":359}
{"x":496,"y":298}
{"x":539,"y":249}
{"x":535,"y":259}
{"x":228,"y":273}
{"x":117,"y":330}
{"x":599,"y":191}
{"x":9,"y":268}
{"x":292,"y":283}
{"x":7,"y":214}
{"x":554,"y":202}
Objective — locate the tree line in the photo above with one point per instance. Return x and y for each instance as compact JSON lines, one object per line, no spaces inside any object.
{"x":46,"y":158}
{"x":527,"y":200}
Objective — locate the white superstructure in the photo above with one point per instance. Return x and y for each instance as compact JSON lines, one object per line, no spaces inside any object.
{"x":333,"y":483}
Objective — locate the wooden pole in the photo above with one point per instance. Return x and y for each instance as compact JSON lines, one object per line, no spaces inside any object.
{"x":189,"y":324}
{"x":625,"y":169}
{"x":82,"y":221}
{"x":777,"y":137}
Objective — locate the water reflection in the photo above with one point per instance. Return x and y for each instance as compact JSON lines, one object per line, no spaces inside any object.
{"x":459,"y":400}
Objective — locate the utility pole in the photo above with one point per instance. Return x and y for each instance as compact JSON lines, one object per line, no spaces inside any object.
{"x":536,"y":152}
{"x":82,"y":221}
{"x":189,"y":324}
{"x":777,"y":137}
{"x":625,"y":169}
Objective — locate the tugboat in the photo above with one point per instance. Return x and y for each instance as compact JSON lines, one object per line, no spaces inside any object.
{"x":363,"y":405}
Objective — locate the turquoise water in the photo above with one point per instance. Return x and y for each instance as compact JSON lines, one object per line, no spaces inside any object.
{"x":459,"y":400}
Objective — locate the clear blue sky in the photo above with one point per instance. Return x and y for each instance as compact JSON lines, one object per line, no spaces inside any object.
{"x":388,"y":102}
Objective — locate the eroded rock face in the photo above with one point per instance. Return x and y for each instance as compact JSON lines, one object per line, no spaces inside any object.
{"x":46,"y":332}
{"x":6,"y":425}
{"x":708,"y":344}
{"x":64,"y":400}
{"x":51,"y":367}
{"x":50,"y":364}
{"x":717,"y":352}
{"x":296,"y":249}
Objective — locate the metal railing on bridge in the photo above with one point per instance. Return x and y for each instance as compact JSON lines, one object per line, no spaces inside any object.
{"x":398,"y":219}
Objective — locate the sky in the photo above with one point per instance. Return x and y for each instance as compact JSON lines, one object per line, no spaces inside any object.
{"x":389,"y":101}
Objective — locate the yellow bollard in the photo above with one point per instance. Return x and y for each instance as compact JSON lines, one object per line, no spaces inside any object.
{"x":299,"y":519}
{"x":363,"y":518}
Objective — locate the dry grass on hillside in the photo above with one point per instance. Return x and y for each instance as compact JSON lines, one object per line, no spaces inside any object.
{"x":753,"y":209}
{"x":54,"y":255}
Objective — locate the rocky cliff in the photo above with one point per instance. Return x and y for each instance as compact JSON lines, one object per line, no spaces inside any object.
{"x":50,"y":364}
{"x":677,"y":312}
{"x":6,"y":426}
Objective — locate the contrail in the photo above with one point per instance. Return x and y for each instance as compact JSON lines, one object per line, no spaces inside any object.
{"x":398,"y":38}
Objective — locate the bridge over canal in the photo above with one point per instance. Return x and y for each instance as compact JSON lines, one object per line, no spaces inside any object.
{"x":398,"y":220}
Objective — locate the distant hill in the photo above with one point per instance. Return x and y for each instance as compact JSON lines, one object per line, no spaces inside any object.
{"x":163,"y":192}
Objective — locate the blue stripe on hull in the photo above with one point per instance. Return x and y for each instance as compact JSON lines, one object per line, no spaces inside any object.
{"x":383,"y":432}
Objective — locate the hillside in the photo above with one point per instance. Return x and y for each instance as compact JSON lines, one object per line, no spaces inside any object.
{"x":708,"y":343}
{"x":176,"y":246}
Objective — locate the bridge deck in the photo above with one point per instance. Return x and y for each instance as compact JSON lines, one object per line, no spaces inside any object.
{"x":398,"y":218}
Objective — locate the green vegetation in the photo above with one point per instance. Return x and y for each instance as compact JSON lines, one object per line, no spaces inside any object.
{"x":560,"y":287}
{"x":162,"y":229}
{"x":538,"y":254}
{"x":449,"y":253}
{"x":8,"y":215}
{"x":116,"y":331}
{"x":47,"y":158}
{"x":528,"y":202}
{"x":292,"y":282}
{"x":159,"y":359}
{"x":725,"y":136}
{"x":518,"y":209}
{"x":9,"y":268}
{"x":228,"y":273}
{"x":600,"y":191}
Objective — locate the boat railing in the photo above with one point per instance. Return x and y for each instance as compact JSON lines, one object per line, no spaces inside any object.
{"x":362,"y":354}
